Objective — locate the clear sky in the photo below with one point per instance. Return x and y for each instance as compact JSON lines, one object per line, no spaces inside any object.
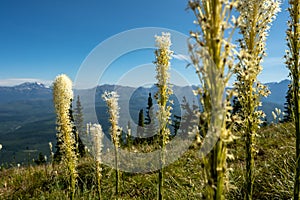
{"x":40,"y":39}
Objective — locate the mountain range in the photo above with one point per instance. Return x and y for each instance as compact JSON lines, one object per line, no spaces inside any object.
{"x":27,"y":118}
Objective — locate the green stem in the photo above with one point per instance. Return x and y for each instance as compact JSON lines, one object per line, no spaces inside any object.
{"x":117,"y":171}
{"x":297,"y":125}
{"x":295,"y":15}
{"x":160,"y":184}
{"x":220,"y":169}
{"x":98,"y":171}
{"x":250,"y":134}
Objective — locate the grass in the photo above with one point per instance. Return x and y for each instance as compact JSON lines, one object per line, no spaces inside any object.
{"x":274,"y":175}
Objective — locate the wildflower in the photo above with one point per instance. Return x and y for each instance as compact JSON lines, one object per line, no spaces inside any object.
{"x":50,"y":145}
{"x":95,"y":130}
{"x":111,"y":99}
{"x":274,"y":115}
{"x":62,"y":97}
{"x":163,"y":56}
{"x":256,"y":17}
{"x":213,"y":58}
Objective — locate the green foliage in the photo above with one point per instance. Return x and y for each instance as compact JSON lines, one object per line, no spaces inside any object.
{"x":140,"y":128}
{"x":78,"y":128}
{"x":288,"y":106}
{"x":40,"y":160}
{"x":79,"y":146}
{"x":78,"y":117}
{"x":150,"y":126}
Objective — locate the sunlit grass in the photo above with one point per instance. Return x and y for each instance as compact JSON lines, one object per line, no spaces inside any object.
{"x":183,"y":179}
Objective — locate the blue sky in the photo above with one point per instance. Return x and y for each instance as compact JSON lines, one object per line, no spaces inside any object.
{"x":41,"y":39}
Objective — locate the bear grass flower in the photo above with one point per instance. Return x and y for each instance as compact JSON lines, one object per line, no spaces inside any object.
{"x":96,"y":134}
{"x":256,"y":17}
{"x":111,"y":99}
{"x":62,"y":97}
{"x":212,"y":56}
{"x":163,"y":55}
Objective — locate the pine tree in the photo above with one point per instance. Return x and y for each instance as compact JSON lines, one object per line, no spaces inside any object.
{"x":58,"y":153}
{"x":176,"y":124}
{"x":150,"y":129}
{"x":288,"y":106}
{"x":78,"y":117}
{"x":149,"y":108}
{"x":41,"y":159}
{"x":79,"y":146}
{"x":141,"y":124}
{"x":128,"y":135}
{"x":189,"y":119}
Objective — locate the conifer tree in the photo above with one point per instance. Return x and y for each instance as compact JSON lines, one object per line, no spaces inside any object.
{"x":78,"y":128}
{"x":128,"y":135}
{"x":79,"y":146}
{"x":288,"y":106}
{"x":176,"y":124}
{"x":140,"y":127}
{"x":78,"y":117}
{"x":150,"y":128}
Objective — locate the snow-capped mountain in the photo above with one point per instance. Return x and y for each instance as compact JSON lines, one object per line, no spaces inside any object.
{"x":30,"y":86}
{"x":25,"y":91}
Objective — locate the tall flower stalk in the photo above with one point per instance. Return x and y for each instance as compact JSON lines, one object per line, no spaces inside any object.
{"x":256,"y":17}
{"x":293,"y":63}
{"x":163,"y":55}
{"x":62,"y":96}
{"x":96,"y":133}
{"x":212,"y":56}
{"x":111,"y":99}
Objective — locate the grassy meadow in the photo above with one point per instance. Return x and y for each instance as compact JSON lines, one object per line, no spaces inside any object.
{"x":274,"y":174}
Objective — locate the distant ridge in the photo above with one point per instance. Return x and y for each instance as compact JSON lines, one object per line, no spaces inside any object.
{"x":27,"y":118}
